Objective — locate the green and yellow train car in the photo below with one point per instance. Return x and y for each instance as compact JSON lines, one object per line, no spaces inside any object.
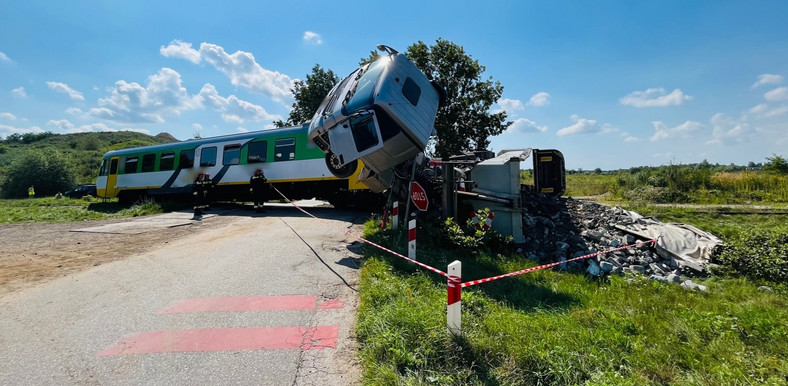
{"x":289,"y":160}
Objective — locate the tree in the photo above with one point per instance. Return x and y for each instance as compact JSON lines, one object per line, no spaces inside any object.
{"x":464,"y":122}
{"x":776,"y":164}
{"x":48,"y":172}
{"x":308,"y":95}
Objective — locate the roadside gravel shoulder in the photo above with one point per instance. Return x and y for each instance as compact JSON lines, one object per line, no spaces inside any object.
{"x":34,"y":253}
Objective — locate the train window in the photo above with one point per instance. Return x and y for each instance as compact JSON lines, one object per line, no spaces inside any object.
{"x":167,"y":161}
{"x":284,"y":149}
{"x":131,"y":165}
{"x":257,"y":152}
{"x":411,"y":91}
{"x":148,"y":162}
{"x":232,"y":155}
{"x":365,"y":134}
{"x":113,"y":166}
{"x":103,"y":170}
{"x":186,"y":159}
{"x":208,"y":156}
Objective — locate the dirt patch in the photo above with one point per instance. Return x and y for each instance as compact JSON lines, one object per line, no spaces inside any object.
{"x":34,"y":253}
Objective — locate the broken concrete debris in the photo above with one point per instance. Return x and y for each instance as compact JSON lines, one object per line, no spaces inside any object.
{"x":556,"y":229}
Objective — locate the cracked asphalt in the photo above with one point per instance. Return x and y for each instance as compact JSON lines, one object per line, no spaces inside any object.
{"x":53,"y":333}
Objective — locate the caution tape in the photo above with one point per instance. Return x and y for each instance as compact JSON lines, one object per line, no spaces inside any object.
{"x":359,"y":238}
{"x":550,"y":265}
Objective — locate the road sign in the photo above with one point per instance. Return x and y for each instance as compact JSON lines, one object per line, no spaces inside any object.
{"x":418,"y":196}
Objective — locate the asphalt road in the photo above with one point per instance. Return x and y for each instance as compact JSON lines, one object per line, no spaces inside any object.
{"x":264,"y":300}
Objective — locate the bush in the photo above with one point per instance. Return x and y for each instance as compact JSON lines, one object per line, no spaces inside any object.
{"x":49,"y":173}
{"x":473,"y":237}
{"x":760,"y":255}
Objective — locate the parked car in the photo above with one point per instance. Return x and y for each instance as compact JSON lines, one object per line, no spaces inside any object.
{"x":81,"y":191}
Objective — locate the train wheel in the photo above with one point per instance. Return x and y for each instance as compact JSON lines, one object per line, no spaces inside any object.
{"x":333,"y":163}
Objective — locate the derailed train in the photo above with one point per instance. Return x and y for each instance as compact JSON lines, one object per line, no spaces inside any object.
{"x":290,"y":162}
{"x":371,"y":123}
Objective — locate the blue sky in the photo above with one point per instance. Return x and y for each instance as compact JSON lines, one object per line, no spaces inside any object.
{"x":612,"y":84}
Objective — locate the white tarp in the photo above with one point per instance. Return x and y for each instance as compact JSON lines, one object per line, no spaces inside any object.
{"x":674,"y":240}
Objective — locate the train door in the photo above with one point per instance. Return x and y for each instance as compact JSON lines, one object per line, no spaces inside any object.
{"x":111,"y":189}
{"x":356,"y":137}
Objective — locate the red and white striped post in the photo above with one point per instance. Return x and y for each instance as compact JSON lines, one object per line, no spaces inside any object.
{"x":488,"y":222}
{"x":395,"y":215}
{"x":454,"y":298}
{"x":412,"y":239}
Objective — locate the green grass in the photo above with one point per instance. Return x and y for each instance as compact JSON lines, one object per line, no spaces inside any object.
{"x":50,"y":209}
{"x":552,"y":327}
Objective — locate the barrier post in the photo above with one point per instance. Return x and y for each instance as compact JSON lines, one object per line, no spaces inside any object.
{"x":412,"y":239}
{"x":454,"y":298}
{"x":395,"y":215}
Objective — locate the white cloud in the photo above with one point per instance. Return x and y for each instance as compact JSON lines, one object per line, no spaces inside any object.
{"x":4,"y":57}
{"x":763,"y":110}
{"x":313,"y":38}
{"x":73,"y":111}
{"x":654,"y":97}
{"x":629,"y":138}
{"x":6,"y":130}
{"x":523,"y":125}
{"x":539,"y":99}
{"x":509,"y":105}
{"x":130,"y":102}
{"x":683,"y":130}
{"x":581,"y":126}
{"x":778,"y":94}
{"x":768,"y":79}
{"x":241,"y":130}
{"x":19,"y":92}
{"x":9,"y":116}
{"x":68,"y":127}
{"x":240,"y":67}
{"x":728,"y":131}
{"x":233,"y":109}
{"x":64,"y":89}
{"x":181,"y":50}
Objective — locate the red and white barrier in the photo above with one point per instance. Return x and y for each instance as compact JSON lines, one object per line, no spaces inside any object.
{"x":474,"y":219}
{"x":412,"y":239}
{"x":395,"y":215}
{"x":488,"y":222}
{"x":454,"y":298}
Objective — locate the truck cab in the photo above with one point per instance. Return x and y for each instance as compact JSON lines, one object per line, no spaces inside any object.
{"x":382,"y":114}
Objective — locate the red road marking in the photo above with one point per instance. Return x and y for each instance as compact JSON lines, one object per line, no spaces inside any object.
{"x":331,"y":304}
{"x":227,"y":339}
{"x":251,"y":303}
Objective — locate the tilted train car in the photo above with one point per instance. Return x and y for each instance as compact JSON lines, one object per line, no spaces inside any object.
{"x":289,"y":160}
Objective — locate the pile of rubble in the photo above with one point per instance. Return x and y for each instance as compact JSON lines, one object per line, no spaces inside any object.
{"x":558,"y":229}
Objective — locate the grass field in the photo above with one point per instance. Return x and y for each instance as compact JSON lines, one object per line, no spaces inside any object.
{"x":554,"y":327}
{"x":50,"y":209}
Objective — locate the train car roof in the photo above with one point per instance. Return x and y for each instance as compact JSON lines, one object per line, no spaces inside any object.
{"x":194,"y":143}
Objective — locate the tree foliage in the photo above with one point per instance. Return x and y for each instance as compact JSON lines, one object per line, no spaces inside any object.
{"x":465,"y":121}
{"x":49,"y":172}
{"x":776,"y":164}
{"x":308,"y":94}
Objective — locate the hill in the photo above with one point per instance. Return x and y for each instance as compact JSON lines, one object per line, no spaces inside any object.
{"x":83,"y":151}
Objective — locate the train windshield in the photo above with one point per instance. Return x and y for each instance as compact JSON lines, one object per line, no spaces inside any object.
{"x":365,"y":88}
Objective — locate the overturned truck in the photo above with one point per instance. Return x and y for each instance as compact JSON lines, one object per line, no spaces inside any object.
{"x":382,"y":115}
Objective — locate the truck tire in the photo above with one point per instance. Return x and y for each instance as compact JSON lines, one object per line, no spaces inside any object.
{"x":332,"y":161}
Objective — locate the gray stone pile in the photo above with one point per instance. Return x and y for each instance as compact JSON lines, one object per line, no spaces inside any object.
{"x":558,"y":229}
